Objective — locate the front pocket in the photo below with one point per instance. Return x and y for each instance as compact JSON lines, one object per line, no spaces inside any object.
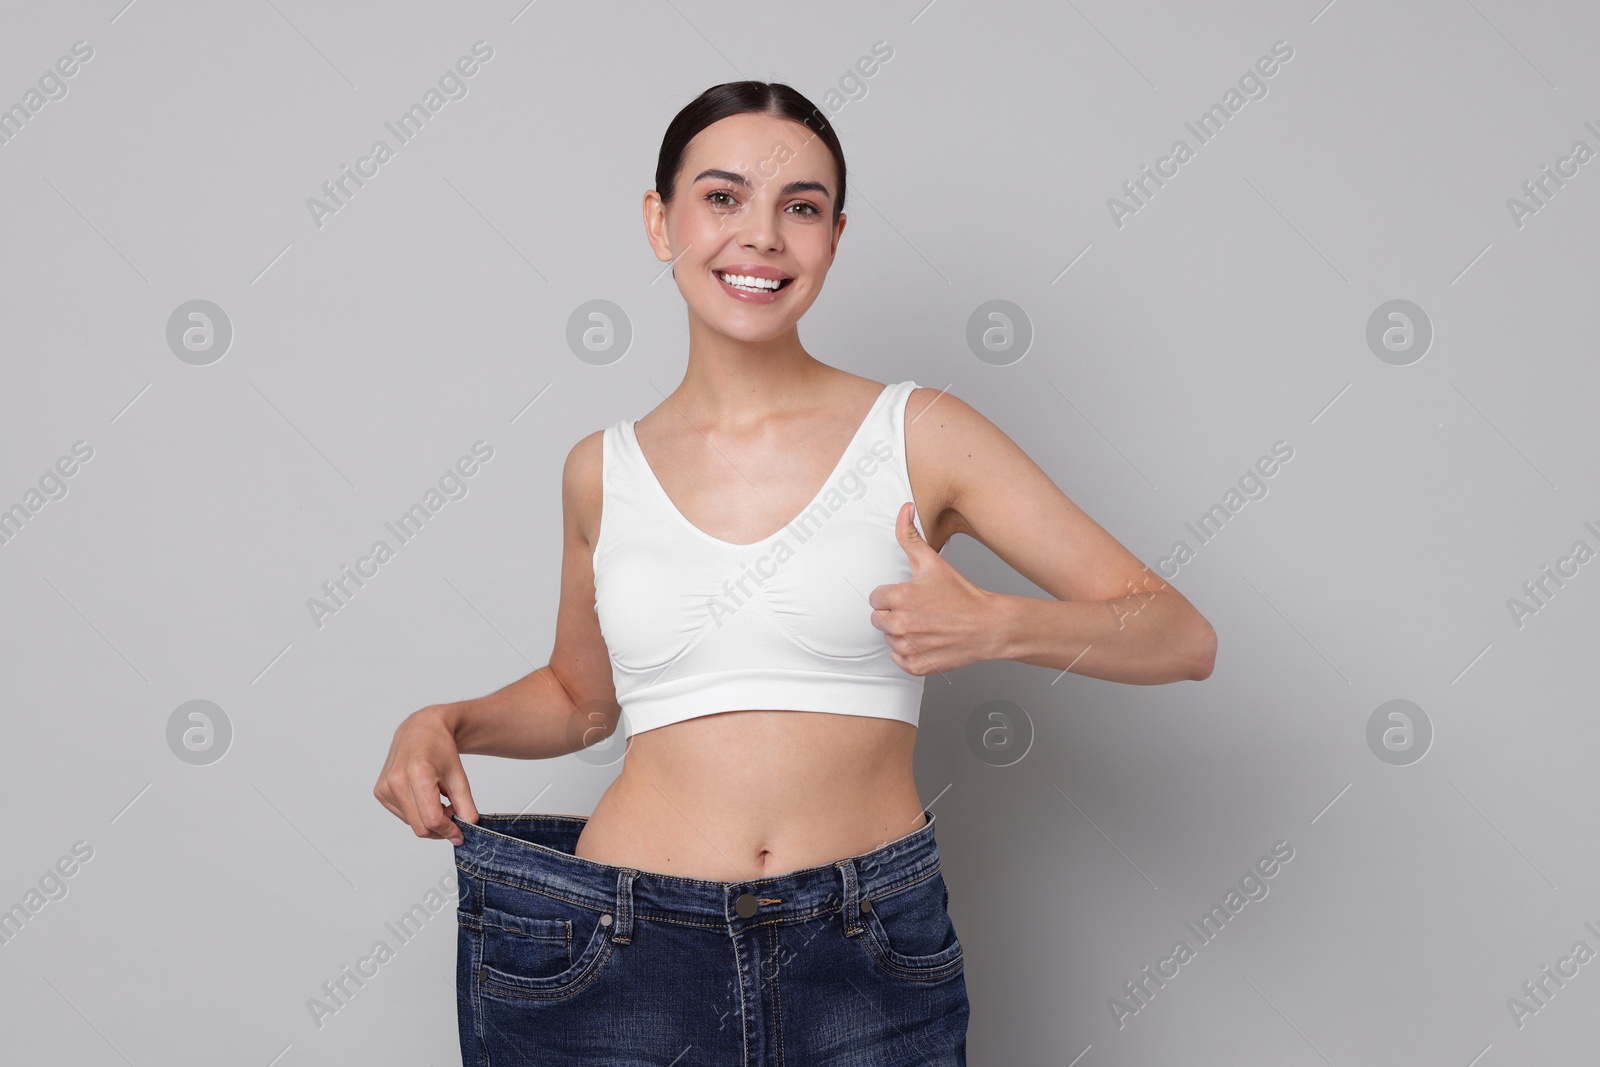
{"x":526,"y":947}
{"x":908,"y":932}
{"x":544,"y":956}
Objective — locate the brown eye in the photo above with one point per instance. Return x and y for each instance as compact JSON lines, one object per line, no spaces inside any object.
{"x":719,"y":192}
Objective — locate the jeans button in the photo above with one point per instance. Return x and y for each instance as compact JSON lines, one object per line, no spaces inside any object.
{"x":746,"y":905}
{"x":605,"y":920}
{"x":866,"y":905}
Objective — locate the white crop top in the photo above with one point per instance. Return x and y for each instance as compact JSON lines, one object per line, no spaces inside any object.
{"x":696,"y":625}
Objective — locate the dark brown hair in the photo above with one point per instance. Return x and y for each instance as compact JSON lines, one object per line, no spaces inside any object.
{"x":742,"y":98}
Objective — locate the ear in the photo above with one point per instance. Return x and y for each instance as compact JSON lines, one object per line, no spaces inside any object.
{"x":655,"y":224}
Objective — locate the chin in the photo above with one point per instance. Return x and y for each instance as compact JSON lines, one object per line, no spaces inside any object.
{"x":751,"y":334}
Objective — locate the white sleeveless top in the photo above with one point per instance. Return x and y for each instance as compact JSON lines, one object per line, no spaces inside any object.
{"x":696,"y":625}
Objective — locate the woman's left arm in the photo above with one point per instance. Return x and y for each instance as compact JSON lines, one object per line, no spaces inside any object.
{"x":1112,"y":616}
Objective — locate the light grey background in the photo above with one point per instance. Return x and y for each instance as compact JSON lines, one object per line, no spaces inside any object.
{"x":431,"y":311}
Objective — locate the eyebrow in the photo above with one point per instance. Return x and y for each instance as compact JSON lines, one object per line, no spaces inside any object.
{"x":739,"y":179}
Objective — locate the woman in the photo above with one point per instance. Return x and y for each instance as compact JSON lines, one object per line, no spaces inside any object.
{"x":760,"y":883}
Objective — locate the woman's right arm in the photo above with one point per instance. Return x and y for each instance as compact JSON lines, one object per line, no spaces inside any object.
{"x":559,"y":708}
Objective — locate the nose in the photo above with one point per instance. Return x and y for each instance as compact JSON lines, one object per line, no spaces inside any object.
{"x":759,"y":233}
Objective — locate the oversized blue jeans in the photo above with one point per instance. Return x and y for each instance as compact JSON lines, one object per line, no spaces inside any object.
{"x":562,"y":960}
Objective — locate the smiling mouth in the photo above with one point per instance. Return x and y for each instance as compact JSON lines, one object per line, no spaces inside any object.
{"x":746,"y":284}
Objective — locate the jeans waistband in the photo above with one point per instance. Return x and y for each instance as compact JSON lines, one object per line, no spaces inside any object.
{"x":536,"y":852}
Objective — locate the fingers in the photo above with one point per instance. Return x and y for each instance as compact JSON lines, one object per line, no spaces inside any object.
{"x":390,"y":790}
{"x":885,"y":623}
{"x":460,"y":794}
{"x":428,"y":817}
{"x":908,"y":515}
{"x":423,"y":762}
{"x":914,"y":663}
{"x":882,"y":595}
{"x":383,"y":794}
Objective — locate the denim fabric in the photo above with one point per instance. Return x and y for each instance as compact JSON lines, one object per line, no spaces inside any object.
{"x":562,"y":960}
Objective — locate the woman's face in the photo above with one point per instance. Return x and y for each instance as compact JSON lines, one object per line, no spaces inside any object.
{"x":754,"y":197}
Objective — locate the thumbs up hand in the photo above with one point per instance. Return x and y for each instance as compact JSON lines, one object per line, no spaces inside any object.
{"x":937,"y":621}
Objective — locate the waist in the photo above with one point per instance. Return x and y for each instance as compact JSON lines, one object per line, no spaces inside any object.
{"x":746,"y":794}
{"x":537,"y":852}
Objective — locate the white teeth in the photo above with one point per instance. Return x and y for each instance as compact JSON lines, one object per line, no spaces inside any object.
{"x":743,"y":281}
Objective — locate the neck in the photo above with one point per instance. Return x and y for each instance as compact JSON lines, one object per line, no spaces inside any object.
{"x":735,"y":384}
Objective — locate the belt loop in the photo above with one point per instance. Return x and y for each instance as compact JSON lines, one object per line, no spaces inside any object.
{"x":852,"y":899}
{"x":624,"y":925}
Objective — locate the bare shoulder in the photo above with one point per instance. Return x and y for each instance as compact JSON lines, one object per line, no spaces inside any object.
{"x":950,"y":430}
{"x":994,"y":492}
{"x":581,"y":487}
{"x":947,"y":441}
{"x":923,"y":397}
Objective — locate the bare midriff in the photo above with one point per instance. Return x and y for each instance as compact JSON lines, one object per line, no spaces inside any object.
{"x":740,"y":795}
